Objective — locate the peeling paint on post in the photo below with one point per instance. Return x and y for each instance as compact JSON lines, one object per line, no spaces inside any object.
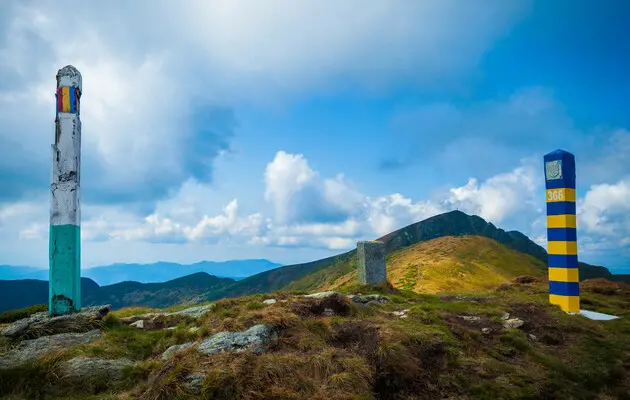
{"x":65,"y":207}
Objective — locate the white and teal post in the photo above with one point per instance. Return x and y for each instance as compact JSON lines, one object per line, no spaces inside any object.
{"x":65,"y":207}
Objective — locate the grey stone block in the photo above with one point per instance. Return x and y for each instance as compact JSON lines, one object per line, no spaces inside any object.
{"x":371,"y":256}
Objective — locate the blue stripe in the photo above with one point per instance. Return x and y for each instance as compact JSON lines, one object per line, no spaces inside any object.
{"x":561,"y":207}
{"x":562,"y":234}
{"x":564,"y":288}
{"x":562,"y":261}
{"x":73,"y":100}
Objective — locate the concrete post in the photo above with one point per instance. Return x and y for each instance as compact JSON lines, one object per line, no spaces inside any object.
{"x":564,"y":283}
{"x":65,"y":209}
{"x":371,"y":256}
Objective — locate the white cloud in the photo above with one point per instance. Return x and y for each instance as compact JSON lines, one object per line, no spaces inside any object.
{"x":285,"y":176}
{"x":501,"y":195}
{"x":605,"y":209}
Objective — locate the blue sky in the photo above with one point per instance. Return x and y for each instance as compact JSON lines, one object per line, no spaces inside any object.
{"x":288,"y":131}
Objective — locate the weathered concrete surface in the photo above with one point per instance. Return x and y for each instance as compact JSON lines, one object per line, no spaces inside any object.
{"x":258,"y":338}
{"x":41,"y":324}
{"x":170,"y":352}
{"x":371,"y":257}
{"x":94,"y":368}
{"x":33,"y":349}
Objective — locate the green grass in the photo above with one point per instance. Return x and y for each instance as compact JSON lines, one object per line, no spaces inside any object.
{"x":14,"y":315}
{"x":368,"y":352}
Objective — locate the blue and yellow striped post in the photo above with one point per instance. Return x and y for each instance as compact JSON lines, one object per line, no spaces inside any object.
{"x":64,"y":284}
{"x":564,"y":283}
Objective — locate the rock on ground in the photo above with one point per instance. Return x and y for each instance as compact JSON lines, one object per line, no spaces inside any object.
{"x":194,"y":383}
{"x":470,"y":318}
{"x":96,"y":368}
{"x":365,"y":299}
{"x":193,"y":312}
{"x":258,"y":339}
{"x":160,"y":320}
{"x":270,"y":301}
{"x":33,"y":349}
{"x":170,"y":352}
{"x":41,"y":324}
{"x":513,"y":323}
{"x":320,"y":295}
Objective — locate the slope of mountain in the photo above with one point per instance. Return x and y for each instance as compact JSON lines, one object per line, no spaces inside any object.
{"x":189,"y":289}
{"x":149,"y":273}
{"x":10,"y":272}
{"x":186,"y":290}
{"x":446,"y":264}
{"x":23,"y":293}
{"x":453,"y":223}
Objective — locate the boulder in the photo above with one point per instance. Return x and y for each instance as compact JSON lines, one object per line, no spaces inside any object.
{"x":258,"y":338}
{"x":96,"y":368}
{"x":33,"y":349}
{"x":270,"y":301}
{"x":170,"y":352}
{"x":41,"y":324}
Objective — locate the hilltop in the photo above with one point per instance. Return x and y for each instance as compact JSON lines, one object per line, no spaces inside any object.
{"x":385,"y":344}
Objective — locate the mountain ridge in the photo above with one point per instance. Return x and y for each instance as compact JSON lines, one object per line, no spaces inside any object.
{"x":160,"y":271}
{"x":452,"y":223}
{"x":203,"y":286}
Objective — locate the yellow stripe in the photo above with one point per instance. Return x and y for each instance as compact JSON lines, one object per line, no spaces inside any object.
{"x":566,"y":303}
{"x":562,"y":248}
{"x":562,"y":194}
{"x":65,"y":96}
{"x":561,"y":221}
{"x":564,"y":274}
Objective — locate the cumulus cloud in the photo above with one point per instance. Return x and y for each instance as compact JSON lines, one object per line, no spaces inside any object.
{"x":605,"y":210}
{"x":159,"y":80}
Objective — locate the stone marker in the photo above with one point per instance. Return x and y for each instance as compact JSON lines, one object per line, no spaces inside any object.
{"x":564,"y":280}
{"x":64,"y":278}
{"x":371,"y":255}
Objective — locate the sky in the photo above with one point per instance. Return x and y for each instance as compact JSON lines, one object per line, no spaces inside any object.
{"x":218,"y":130}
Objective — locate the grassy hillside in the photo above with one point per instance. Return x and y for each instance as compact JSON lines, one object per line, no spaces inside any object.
{"x":453,"y":347}
{"x":447,"y":264}
{"x":455,"y":223}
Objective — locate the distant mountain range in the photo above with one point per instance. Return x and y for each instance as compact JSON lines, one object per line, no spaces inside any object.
{"x":189,"y":289}
{"x":149,"y":273}
{"x":329,"y":272}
